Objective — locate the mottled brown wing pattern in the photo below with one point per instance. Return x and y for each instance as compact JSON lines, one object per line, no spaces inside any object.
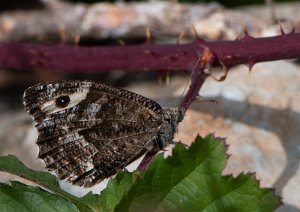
{"x":88,"y":131}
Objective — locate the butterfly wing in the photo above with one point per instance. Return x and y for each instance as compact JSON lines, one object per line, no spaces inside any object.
{"x":88,"y":131}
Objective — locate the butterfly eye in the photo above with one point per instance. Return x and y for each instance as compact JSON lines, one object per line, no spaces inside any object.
{"x":62,"y":101}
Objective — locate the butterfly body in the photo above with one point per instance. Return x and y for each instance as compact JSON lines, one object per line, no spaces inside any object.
{"x":88,"y":131}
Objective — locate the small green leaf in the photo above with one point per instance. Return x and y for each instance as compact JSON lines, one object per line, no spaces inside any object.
{"x":116,"y":189}
{"x":191,"y":180}
{"x":19,"y":197}
{"x":91,"y":200}
{"x":12,"y":165}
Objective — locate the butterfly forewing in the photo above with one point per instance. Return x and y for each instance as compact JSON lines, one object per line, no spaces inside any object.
{"x":88,"y":131}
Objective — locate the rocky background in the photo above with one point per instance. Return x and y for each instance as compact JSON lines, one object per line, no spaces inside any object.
{"x":258,"y":112}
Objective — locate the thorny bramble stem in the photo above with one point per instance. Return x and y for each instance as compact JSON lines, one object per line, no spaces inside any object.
{"x":145,"y":57}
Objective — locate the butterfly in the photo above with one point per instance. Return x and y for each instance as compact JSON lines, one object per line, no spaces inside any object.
{"x":87,"y":131}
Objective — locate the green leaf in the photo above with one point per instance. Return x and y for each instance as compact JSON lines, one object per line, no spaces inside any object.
{"x":91,"y":200}
{"x":12,"y":165}
{"x":191,"y":180}
{"x":116,"y":189}
{"x":19,"y":197}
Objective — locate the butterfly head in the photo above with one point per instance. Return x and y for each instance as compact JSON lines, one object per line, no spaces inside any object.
{"x":171,"y":116}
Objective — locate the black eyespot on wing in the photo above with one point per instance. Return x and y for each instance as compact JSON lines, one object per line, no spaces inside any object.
{"x":62,"y":101}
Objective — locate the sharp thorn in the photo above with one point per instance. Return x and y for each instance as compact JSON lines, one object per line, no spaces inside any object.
{"x":281,"y":29}
{"x":238,"y":37}
{"x":293,"y":30}
{"x":160,"y":81}
{"x":197,"y":37}
{"x":247,"y":36}
{"x":224,"y":76}
{"x":250,"y":65}
{"x":148,"y":35}
{"x":180,"y":37}
{"x":76,"y":39}
{"x":121,"y":42}
{"x":168,"y":77}
{"x":62,"y":33}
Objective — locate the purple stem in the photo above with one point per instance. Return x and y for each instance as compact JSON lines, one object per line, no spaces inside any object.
{"x":197,"y":78}
{"x":149,"y":56}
